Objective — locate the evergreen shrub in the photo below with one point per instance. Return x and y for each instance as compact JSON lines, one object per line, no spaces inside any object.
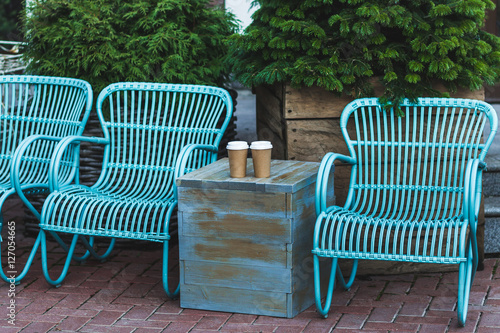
{"x":411,"y":45}
{"x":9,"y":19}
{"x":106,"y":41}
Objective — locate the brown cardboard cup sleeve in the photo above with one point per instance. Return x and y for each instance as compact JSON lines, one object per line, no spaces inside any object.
{"x":261,"y":156}
{"x":237,"y":152}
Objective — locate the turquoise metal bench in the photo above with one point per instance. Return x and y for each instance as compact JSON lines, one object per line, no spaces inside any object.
{"x":36,"y":112}
{"x":414,"y":192}
{"x":153,"y":133}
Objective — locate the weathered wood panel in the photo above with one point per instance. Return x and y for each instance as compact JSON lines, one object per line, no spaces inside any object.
{"x":232,"y":225}
{"x":286,"y":177}
{"x":271,"y":205}
{"x":248,"y":293}
{"x":310,"y":140}
{"x":249,"y":251}
{"x":235,"y":300}
{"x":302,"y":207}
{"x":315,"y":102}
{"x":270,"y":125}
{"x":238,"y":276}
{"x":463,"y":92}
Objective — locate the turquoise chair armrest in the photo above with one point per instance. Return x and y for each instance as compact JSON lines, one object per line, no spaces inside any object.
{"x":16,"y":170}
{"x":322,"y":180}
{"x":55,"y":162}
{"x":181,"y":165}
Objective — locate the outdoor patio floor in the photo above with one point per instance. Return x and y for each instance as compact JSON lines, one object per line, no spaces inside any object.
{"x":125,"y":294}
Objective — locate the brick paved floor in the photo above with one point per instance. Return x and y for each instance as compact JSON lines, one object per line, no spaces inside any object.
{"x":125,"y":295}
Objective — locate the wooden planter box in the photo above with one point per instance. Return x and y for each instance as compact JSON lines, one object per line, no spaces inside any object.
{"x":304,"y":124}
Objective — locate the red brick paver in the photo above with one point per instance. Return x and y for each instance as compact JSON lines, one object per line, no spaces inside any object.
{"x":125,"y":294}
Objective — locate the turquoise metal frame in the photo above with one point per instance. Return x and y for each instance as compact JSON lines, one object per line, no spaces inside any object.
{"x":414,"y":192}
{"x":153,"y":133}
{"x":36,"y":112}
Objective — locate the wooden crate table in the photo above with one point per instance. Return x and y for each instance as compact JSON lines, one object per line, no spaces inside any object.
{"x":245,"y":243}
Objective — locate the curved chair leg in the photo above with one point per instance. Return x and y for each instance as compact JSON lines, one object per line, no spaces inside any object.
{"x":66,"y":248}
{"x":18,"y":277}
{"x":465,"y":277}
{"x":57,"y":282}
{"x":90,"y":248}
{"x":88,"y":244}
{"x":170,"y":294}
{"x":317,"y":286}
{"x":340,"y":276}
{"x":334,"y":273}
{"x":87,"y":254}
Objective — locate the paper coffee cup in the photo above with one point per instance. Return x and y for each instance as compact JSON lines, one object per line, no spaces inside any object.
{"x":237,"y":152}
{"x":261,"y":156}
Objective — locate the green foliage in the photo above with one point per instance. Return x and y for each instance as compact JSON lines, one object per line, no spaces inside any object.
{"x":411,"y":45}
{"x":105,"y":41}
{"x":9,"y":17}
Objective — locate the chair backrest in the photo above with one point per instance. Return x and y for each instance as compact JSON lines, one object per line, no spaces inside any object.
{"x":39,"y":105}
{"x":412,"y":167}
{"x":148,"y":124}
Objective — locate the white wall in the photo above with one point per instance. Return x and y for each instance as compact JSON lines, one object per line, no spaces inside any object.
{"x":242,"y":10}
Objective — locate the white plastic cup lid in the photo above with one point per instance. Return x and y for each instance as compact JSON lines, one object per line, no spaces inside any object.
{"x":237,"y":145}
{"x":257,"y":145}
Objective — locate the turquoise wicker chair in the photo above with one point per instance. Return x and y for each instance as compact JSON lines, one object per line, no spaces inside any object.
{"x":414,"y":191}
{"x":153,"y":133}
{"x":36,"y":112}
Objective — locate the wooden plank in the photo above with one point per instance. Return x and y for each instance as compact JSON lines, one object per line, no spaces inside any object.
{"x":286,"y":176}
{"x":253,"y":301}
{"x":230,"y":225}
{"x":463,"y":92}
{"x":215,"y":170}
{"x":302,"y":205}
{"x":310,"y":140}
{"x":266,"y":133}
{"x":313,"y":102}
{"x":269,"y":99}
{"x":269,"y":112}
{"x":249,"y":249}
{"x":237,"y":276}
{"x":234,"y":300}
{"x":292,"y":177}
{"x":244,"y":251}
{"x":210,"y":201}
{"x":269,"y":120}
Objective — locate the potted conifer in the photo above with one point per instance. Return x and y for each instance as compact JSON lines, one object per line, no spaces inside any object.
{"x":106,"y":41}
{"x":307,"y":59}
